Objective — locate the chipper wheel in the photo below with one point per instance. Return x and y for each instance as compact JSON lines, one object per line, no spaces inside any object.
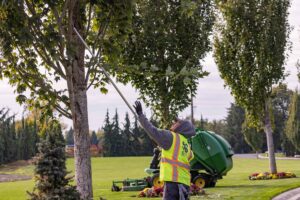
{"x":156,"y":182}
{"x":202,"y":180}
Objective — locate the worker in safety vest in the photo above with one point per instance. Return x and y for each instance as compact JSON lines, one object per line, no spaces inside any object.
{"x":175,"y":157}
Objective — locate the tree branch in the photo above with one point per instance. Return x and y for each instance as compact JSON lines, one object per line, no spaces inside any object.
{"x":100,"y":36}
{"x":62,"y":32}
{"x":42,"y":51}
{"x":63,"y":111}
{"x":89,"y":22}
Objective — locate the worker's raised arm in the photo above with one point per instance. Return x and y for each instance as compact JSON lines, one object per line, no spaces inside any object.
{"x":163,"y":138}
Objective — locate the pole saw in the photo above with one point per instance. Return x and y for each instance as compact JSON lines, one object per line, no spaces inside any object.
{"x":107,"y":75}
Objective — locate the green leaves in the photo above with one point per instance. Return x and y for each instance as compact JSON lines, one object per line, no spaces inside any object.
{"x":250,"y":49}
{"x":37,"y":46}
{"x":167,"y":43}
{"x":21,"y":99}
{"x":103,"y":90}
{"x":292,"y":127}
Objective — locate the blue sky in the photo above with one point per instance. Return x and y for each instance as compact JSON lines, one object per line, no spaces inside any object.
{"x":212,"y":98}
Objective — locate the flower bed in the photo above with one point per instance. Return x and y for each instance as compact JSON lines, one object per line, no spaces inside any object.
{"x":267,"y":175}
{"x":158,"y":191}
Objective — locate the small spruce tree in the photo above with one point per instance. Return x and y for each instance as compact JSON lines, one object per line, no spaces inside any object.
{"x":51,"y":176}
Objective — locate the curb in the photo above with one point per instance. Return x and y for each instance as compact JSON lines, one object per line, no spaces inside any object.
{"x":293,"y":194}
{"x":278,"y":158}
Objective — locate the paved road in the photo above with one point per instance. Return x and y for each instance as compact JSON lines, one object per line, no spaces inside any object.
{"x":247,"y":155}
{"x":253,"y":155}
{"x":289,"y":195}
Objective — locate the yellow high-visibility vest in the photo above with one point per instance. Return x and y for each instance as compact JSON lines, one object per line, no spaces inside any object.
{"x":175,"y":165}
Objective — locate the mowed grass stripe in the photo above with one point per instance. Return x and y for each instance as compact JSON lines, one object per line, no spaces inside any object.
{"x":233,"y":186}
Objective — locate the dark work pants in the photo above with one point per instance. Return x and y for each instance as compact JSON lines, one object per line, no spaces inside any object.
{"x":171,"y":191}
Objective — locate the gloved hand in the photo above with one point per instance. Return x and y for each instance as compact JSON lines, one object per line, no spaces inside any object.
{"x":138,"y":107}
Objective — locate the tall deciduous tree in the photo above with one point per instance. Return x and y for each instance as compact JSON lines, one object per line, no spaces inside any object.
{"x":250,"y":47}
{"x":168,"y":41}
{"x":293,"y":122}
{"x":40,"y":49}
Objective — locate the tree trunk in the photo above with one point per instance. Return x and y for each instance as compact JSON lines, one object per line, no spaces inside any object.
{"x":165,"y":121}
{"x":270,"y":143}
{"x":77,"y":88}
{"x":78,"y":104}
{"x":82,"y":145}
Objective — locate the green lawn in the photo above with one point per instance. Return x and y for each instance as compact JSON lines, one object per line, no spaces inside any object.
{"x":234,"y":186}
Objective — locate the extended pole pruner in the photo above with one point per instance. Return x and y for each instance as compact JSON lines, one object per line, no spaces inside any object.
{"x":107,"y":75}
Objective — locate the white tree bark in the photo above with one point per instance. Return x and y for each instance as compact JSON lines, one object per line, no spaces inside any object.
{"x":77,"y":88}
{"x":78,"y":101}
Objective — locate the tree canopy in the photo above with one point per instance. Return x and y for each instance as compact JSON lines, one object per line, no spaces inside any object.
{"x":164,"y":52}
{"x":250,"y":51}
{"x":42,"y":55}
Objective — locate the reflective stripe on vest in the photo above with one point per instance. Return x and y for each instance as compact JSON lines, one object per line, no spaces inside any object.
{"x":176,"y":163}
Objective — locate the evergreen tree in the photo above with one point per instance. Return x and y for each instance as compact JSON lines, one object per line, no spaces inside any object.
{"x":107,"y":138}
{"x":52,"y":181}
{"x":217,"y":126}
{"x":3,"y":114}
{"x":147,"y":144}
{"x":233,"y":132}
{"x":70,"y":137}
{"x":201,"y":125}
{"x":94,"y":139}
{"x":9,"y":138}
{"x":131,"y":143}
{"x":137,"y":132}
{"x":127,"y":147}
{"x":17,"y":139}
{"x":27,"y":138}
{"x":116,"y":136}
